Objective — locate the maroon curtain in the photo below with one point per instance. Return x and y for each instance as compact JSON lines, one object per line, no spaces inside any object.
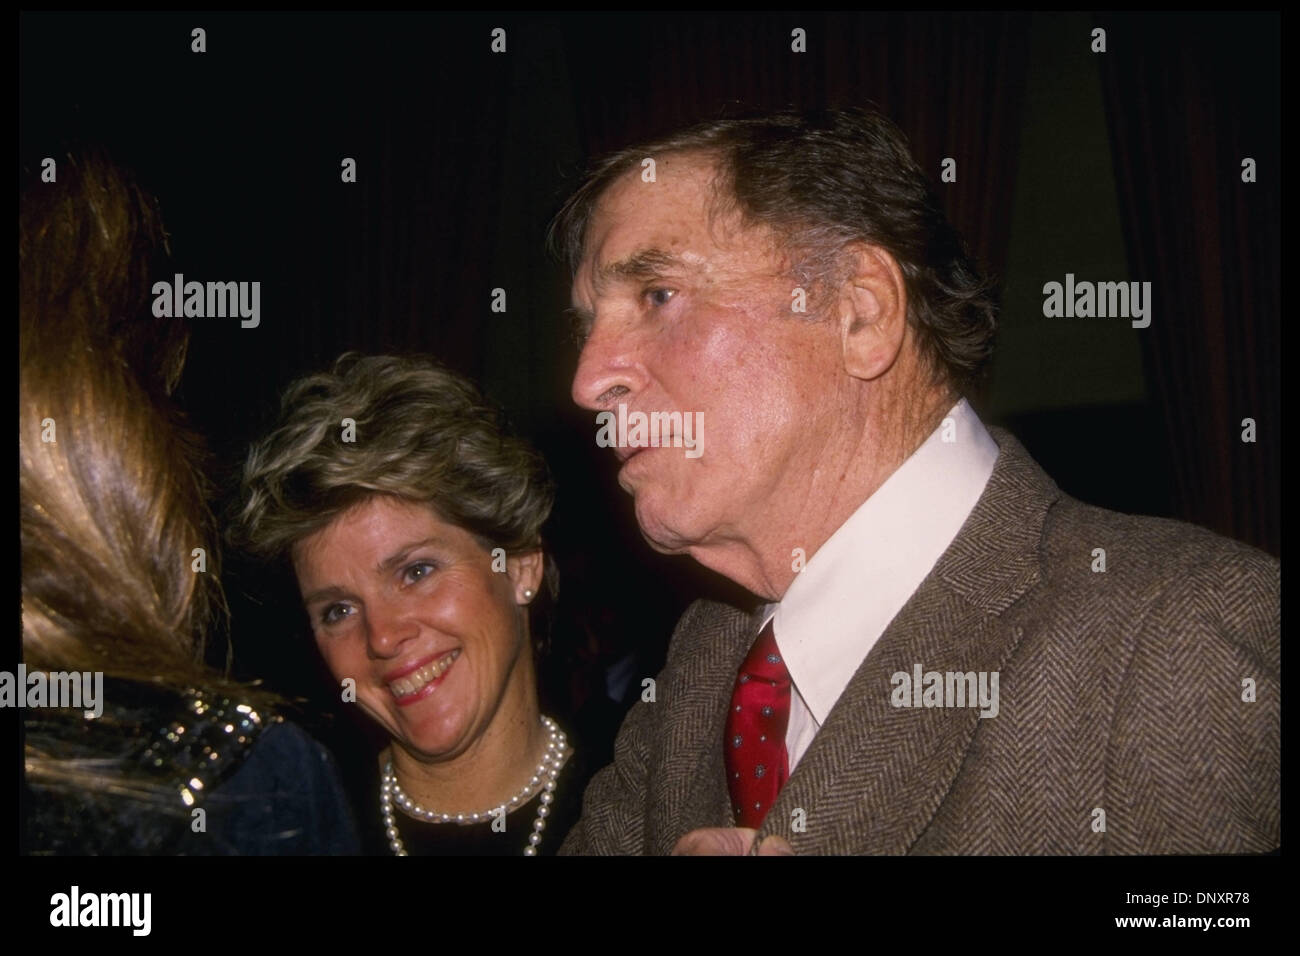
{"x":1188,"y":98}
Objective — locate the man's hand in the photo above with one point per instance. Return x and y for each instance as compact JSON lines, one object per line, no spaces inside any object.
{"x":729,"y":841}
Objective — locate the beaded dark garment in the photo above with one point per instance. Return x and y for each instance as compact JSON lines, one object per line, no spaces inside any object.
{"x":204,"y":744}
{"x":157,"y":754}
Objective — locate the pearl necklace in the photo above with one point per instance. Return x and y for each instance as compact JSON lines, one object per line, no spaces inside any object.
{"x":557,"y":753}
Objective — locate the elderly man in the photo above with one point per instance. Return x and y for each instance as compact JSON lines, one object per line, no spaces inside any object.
{"x":949,"y":655}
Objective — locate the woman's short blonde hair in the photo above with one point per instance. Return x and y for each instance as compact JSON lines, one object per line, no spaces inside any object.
{"x":392,"y":425}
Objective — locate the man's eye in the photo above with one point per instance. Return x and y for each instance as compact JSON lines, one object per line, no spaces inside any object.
{"x":418,"y":571}
{"x":659,"y":297}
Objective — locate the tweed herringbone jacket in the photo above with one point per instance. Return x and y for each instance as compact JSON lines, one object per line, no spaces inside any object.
{"x":1139,"y":706}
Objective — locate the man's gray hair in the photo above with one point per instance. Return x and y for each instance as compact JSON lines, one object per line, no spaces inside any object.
{"x":820,"y":181}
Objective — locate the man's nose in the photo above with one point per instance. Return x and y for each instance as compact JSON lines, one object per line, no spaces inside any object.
{"x":608,"y":369}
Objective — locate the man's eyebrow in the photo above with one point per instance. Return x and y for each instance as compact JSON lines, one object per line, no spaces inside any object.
{"x":644,"y":264}
{"x":578,"y":316}
{"x":639,"y":266}
{"x":580,"y":321}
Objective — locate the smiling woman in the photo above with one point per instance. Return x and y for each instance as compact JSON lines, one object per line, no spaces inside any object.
{"x":414,"y":534}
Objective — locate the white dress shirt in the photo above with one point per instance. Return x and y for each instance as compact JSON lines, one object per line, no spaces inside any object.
{"x":852,"y":587}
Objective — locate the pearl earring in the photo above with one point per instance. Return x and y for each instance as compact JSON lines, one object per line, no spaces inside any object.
{"x":528,"y":594}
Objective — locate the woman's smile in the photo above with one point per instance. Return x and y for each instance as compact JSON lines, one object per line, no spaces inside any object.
{"x":420,"y":683}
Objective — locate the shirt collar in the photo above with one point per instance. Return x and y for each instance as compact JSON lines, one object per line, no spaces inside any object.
{"x":852,"y":587}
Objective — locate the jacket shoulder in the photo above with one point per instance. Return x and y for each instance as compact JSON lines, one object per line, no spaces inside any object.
{"x":1169,"y":546}
{"x":1175,"y":576}
{"x":1155,"y":551}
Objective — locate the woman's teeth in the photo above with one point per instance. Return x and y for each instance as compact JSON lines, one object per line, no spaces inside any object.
{"x":405,"y":686}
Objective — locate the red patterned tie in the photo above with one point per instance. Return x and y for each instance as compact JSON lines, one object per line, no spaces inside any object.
{"x":756,"y":758}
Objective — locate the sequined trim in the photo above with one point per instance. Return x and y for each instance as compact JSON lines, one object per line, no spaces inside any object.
{"x":210,"y":738}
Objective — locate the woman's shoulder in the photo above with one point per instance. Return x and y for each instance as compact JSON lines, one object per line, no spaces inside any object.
{"x":193,"y":770}
{"x":286,"y":798}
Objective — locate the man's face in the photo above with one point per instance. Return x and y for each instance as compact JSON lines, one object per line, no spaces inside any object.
{"x":692,"y":316}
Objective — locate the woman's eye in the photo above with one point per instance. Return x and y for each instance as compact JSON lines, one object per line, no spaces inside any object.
{"x":418,"y":572}
{"x":333,"y":614}
{"x":659,"y":297}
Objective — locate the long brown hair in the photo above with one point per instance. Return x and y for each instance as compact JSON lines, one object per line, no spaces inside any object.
{"x":113,"y":507}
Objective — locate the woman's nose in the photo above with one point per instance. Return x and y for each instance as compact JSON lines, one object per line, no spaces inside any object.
{"x":388,"y":628}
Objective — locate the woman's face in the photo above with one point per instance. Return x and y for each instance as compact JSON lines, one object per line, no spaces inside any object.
{"x":410,"y":608}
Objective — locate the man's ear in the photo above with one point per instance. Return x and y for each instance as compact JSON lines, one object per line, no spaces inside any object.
{"x":525,"y":569}
{"x":872,"y":311}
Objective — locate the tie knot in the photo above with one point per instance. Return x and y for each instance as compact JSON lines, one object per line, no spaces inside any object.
{"x":764,"y":661}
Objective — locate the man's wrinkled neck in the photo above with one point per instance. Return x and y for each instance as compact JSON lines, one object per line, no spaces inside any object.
{"x":766,"y":554}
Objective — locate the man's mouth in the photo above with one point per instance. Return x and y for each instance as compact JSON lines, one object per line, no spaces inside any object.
{"x":418,"y":680}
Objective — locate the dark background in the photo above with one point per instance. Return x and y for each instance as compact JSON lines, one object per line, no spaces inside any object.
{"x":1117,"y":166}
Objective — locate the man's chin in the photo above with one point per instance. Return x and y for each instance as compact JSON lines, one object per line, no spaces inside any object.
{"x":663,"y":548}
{"x":659,"y":535}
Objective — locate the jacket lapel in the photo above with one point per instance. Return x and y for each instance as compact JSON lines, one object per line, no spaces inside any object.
{"x":875,"y":774}
{"x":692,"y":791}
